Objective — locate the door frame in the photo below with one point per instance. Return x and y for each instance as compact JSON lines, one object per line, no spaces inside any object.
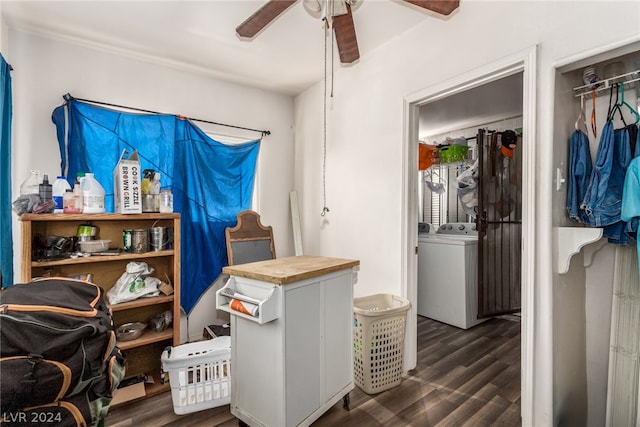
{"x":525,"y":62}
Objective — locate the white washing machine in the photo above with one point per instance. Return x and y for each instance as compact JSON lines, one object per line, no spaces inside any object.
{"x":447,"y":275}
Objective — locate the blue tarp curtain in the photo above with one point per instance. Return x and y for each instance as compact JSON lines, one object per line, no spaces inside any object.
{"x":211,"y":181}
{"x":6,"y":111}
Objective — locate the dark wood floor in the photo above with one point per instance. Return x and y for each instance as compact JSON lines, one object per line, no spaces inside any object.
{"x":463,"y":378}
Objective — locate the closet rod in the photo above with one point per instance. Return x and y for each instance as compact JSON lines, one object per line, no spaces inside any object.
{"x":464,"y":164}
{"x":483,"y":125}
{"x":263,"y":132}
{"x":605,"y":84}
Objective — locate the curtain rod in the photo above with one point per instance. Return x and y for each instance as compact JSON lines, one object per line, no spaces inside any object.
{"x":68,"y":96}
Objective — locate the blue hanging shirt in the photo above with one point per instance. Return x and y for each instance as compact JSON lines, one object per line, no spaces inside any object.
{"x":631,"y":195}
{"x":580,"y":166}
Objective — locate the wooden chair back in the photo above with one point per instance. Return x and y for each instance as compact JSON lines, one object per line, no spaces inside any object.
{"x":249,"y":240}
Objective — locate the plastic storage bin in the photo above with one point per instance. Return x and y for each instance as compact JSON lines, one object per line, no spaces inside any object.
{"x":199,"y":374}
{"x":378,"y":341}
{"x":452,"y":153}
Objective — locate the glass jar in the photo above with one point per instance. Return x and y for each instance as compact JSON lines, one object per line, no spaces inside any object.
{"x":166,"y":201}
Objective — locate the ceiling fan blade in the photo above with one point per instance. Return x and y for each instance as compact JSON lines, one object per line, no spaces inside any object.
{"x":345,"y":32}
{"x":262,"y":17}
{"x":443,"y":7}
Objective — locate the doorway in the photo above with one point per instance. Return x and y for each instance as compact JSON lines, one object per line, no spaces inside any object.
{"x":525,"y":63}
{"x":488,"y":120}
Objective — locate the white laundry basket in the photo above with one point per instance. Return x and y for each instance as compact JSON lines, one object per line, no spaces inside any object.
{"x":199,"y":374}
{"x":378,"y":341}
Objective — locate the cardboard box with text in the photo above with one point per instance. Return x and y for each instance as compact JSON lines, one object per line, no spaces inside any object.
{"x":127,"y":187}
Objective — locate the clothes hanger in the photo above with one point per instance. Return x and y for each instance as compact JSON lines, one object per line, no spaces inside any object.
{"x":616,"y":107}
{"x":625,"y":104}
{"x":594,"y":126}
{"x":433,"y":175}
{"x":611,"y":108}
{"x":581,"y":115}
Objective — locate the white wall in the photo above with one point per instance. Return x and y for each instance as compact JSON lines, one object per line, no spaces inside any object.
{"x":46,"y":69}
{"x":2,"y":30}
{"x":364,"y":164}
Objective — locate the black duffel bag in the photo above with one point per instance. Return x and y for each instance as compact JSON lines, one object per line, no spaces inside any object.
{"x":57,"y":345}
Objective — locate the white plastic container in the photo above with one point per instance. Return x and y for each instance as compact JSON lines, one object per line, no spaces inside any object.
{"x":31,"y":185}
{"x":60,"y":186}
{"x":91,"y":246}
{"x":92,"y":195}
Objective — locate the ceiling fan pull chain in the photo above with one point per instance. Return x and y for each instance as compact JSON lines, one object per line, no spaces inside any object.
{"x":333,"y":41}
{"x":332,"y":54}
{"x":325,"y":209}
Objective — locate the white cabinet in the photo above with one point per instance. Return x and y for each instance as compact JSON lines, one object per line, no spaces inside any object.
{"x":290,"y":366}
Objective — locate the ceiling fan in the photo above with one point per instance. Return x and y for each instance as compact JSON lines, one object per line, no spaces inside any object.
{"x":338,"y":11}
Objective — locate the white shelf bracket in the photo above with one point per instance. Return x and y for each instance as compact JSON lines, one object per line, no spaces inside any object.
{"x":569,"y":241}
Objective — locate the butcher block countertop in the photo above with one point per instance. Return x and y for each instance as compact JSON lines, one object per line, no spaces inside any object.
{"x":290,"y":269}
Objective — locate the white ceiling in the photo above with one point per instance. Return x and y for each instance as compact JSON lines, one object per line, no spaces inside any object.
{"x":287,"y":56}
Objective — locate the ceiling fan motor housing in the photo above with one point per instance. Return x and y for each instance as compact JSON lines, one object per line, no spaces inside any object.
{"x":340,"y":13}
{"x":323,"y":8}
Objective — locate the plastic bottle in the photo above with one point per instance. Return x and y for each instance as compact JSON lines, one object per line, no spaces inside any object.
{"x":31,"y":185}
{"x":154,"y":187}
{"x":166,"y":201}
{"x":69,"y":202}
{"x":73,"y":199}
{"x":154,"y":191}
{"x":60,"y":186}
{"x":92,"y":195}
{"x":45,"y":189}
{"x":147,"y":177}
{"x":77,"y":196}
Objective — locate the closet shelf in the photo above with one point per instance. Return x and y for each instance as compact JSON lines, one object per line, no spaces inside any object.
{"x":605,"y":84}
{"x":569,"y":241}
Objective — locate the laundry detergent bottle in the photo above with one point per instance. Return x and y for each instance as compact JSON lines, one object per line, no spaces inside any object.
{"x":92,"y":195}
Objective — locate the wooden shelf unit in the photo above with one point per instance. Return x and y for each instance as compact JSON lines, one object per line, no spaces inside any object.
{"x":143,"y":354}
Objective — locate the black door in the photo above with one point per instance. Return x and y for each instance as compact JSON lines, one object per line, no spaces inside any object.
{"x":499,"y":222}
